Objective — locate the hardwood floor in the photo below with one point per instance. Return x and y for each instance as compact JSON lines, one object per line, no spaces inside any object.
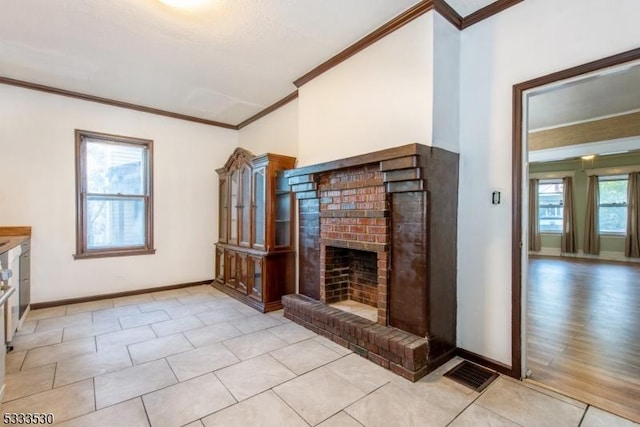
{"x":583,"y":331}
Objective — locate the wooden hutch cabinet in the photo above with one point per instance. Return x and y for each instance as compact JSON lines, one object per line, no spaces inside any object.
{"x":254,"y":257}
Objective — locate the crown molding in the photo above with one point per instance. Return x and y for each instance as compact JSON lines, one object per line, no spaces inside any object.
{"x":399,"y":21}
{"x":111,"y":102}
{"x":273,"y":107}
{"x":487,"y":12}
{"x":449,"y":13}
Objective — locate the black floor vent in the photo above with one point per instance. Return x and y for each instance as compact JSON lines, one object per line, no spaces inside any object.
{"x":472,"y":375}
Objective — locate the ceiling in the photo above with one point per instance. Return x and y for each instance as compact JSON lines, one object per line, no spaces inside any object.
{"x":224,"y":61}
{"x":467,"y":7}
{"x":607,"y":93}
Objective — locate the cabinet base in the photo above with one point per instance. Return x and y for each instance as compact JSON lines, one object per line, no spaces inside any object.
{"x":251,"y":302}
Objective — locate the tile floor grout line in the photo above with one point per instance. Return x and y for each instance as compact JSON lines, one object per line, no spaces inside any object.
{"x":584,"y":414}
{"x":480,"y":394}
{"x":95,"y":395}
{"x":144,"y":407}
{"x":493,"y":412}
{"x":55,"y":374}
{"x":228,"y":391}
{"x":467,"y":407}
{"x":284,"y":401}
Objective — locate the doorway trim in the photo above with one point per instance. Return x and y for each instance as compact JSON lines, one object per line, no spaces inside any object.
{"x":517,"y":168}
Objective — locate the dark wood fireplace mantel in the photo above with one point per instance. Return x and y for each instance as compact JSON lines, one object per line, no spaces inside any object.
{"x":402,"y":204}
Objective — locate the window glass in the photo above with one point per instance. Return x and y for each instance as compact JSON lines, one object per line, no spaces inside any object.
{"x":612,"y":213}
{"x":115,"y":223}
{"x":550,"y":205}
{"x":115,"y":168}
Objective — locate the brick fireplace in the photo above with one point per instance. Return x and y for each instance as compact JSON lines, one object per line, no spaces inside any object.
{"x":354,"y":237}
{"x":380,"y":229}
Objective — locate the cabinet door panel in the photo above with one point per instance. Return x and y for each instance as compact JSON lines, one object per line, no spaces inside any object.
{"x":257,"y":275}
{"x":231,"y":271}
{"x":242,"y":273}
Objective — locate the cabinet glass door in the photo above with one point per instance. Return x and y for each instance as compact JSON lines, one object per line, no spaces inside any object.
{"x":244,"y":203}
{"x":283,"y":211}
{"x":233,"y":222}
{"x":223,"y":208}
{"x":259,"y":191}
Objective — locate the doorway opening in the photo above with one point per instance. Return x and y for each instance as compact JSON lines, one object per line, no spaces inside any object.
{"x":575,"y":327}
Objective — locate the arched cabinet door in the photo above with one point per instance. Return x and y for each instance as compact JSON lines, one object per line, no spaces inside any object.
{"x":254,"y":257}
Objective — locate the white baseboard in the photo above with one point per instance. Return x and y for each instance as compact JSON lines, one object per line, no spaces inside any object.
{"x":604,"y":255}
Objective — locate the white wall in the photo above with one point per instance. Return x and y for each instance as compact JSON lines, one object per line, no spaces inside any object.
{"x":37,"y":188}
{"x":533,"y":38}
{"x":274,"y":133}
{"x":446,"y":85}
{"x":379,"y":98}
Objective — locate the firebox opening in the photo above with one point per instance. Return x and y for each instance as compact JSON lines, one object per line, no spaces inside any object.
{"x":352,"y":280}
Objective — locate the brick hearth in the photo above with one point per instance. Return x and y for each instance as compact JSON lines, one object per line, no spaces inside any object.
{"x":401,"y":352}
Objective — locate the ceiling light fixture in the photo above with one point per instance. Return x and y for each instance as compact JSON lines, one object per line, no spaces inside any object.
{"x":589,"y":157}
{"x":185,"y":4}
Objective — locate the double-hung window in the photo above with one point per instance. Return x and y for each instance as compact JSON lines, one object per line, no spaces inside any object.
{"x":114,"y":200}
{"x":550,"y":205}
{"x":612,"y":208}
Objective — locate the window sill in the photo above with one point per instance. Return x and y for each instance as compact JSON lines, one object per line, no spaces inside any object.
{"x":114,"y":253}
{"x":621,"y":235}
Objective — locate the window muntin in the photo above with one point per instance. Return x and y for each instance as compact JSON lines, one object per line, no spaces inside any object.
{"x":550,"y":205}
{"x":612,"y":207}
{"x":114,"y":195}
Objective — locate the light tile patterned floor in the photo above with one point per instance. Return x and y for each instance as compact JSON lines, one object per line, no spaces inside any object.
{"x":195,"y":357}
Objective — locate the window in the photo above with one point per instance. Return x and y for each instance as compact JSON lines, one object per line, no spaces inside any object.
{"x":612,"y":210}
{"x":550,"y":205}
{"x":114,"y":207}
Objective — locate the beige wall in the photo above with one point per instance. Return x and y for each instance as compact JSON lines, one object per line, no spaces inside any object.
{"x":274,"y":133}
{"x":38,"y":189}
{"x":382,"y":97}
